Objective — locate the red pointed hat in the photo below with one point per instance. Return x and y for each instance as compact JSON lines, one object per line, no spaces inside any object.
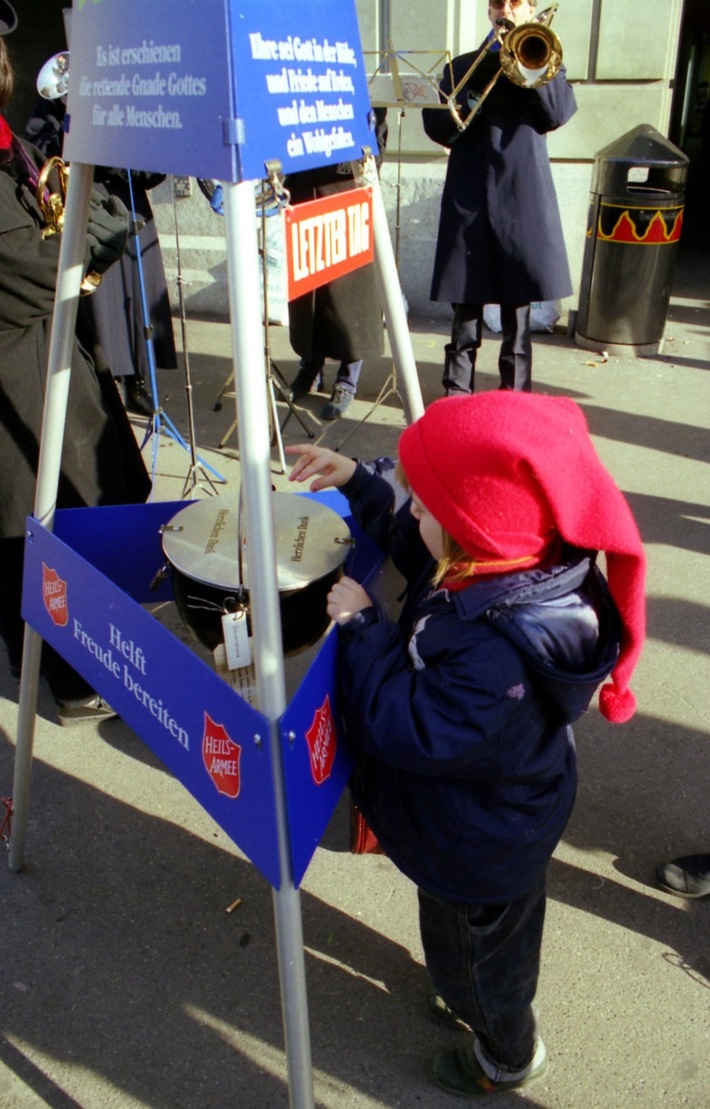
{"x":506,"y":474}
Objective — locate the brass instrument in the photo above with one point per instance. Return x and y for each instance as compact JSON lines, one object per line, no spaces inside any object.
{"x":52,"y":83}
{"x":53,"y":77}
{"x":52,"y":204}
{"x":52,"y":208}
{"x":530,"y":56}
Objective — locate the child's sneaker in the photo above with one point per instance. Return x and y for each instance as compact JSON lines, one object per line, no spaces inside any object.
{"x":459,"y":1072}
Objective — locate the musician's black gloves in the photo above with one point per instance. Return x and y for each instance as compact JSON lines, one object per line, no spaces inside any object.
{"x":106,"y":231}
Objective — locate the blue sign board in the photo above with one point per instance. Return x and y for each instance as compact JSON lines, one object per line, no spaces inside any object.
{"x":216,"y":88}
{"x":83,"y":590}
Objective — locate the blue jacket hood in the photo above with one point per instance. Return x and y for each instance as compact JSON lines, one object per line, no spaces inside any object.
{"x":563,"y":621}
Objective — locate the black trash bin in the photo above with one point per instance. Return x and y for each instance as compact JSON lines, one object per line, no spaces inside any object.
{"x":634,"y":226}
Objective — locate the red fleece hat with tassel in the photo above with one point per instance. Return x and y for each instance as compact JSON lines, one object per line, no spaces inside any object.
{"x":507,"y":474}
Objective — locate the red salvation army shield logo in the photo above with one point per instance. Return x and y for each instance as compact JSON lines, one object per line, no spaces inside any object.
{"x":54,"y":595}
{"x":322,"y":742}
{"x":221,"y":757}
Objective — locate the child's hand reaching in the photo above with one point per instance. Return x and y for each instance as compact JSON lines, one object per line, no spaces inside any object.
{"x":345,"y":599}
{"x":333,"y":468}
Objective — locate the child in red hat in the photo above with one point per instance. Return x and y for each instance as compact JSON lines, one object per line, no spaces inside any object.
{"x":462,"y":710}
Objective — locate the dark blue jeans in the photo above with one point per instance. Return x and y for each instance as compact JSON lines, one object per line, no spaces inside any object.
{"x":484,"y":960}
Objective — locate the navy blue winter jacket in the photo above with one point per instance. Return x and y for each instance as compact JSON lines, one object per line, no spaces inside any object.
{"x":461,"y":710}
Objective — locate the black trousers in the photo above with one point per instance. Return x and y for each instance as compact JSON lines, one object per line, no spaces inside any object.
{"x":515,"y":356}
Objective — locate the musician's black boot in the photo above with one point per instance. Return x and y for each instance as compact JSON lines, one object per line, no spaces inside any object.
{"x":305,"y":379}
{"x":137,"y":398}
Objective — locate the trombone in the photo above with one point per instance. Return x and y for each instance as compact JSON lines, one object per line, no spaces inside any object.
{"x":530,"y":56}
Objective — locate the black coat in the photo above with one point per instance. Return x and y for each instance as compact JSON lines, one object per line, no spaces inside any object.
{"x":101,"y":462}
{"x":500,"y":237}
{"x":116,"y":313}
{"x":341,"y":320}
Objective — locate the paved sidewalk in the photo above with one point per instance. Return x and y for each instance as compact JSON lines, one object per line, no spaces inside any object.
{"x":125,"y":983}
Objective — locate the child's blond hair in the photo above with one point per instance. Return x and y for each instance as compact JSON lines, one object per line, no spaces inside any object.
{"x":455,"y":564}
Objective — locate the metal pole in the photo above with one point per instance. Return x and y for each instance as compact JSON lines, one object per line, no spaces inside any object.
{"x":393,"y":307}
{"x":252,"y":417}
{"x":69,"y":275}
{"x":385,"y":29}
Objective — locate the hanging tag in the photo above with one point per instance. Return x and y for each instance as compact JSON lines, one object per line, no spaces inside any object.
{"x":242,"y":681}
{"x":236,"y":639}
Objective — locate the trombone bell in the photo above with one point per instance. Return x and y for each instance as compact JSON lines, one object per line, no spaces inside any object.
{"x":530,"y":55}
{"x":53,"y":77}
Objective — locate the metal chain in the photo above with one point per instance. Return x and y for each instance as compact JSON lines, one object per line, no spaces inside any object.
{"x":275,"y":183}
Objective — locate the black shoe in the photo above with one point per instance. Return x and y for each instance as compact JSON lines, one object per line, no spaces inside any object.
{"x":688,"y":876}
{"x":303,"y":383}
{"x":86,"y":710}
{"x":340,"y":401}
{"x":137,"y":398}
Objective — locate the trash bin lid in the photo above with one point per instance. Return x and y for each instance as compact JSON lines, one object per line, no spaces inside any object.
{"x":641,"y":152}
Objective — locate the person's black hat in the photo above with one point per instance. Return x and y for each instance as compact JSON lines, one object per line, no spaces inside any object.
{"x":8,"y":18}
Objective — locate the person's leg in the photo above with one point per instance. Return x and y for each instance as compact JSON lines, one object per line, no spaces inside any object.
{"x":304,"y":379}
{"x":515,"y":359}
{"x":460,"y":353}
{"x":344,"y":389}
{"x":484,"y":963}
{"x":137,"y":397}
{"x":11,"y":623}
{"x":76,"y":700}
{"x":349,"y":374}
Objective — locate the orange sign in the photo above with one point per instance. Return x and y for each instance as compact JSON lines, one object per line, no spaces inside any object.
{"x":327,"y":238}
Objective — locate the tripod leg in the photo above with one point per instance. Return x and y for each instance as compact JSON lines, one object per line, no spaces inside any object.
{"x":228,"y":433}
{"x":276,"y":380}
{"x":389,"y":389}
{"x":276,"y":436}
{"x":224,"y":391}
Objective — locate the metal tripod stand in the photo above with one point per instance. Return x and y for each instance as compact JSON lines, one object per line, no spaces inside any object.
{"x":390,"y":387}
{"x":160,"y":421}
{"x":275,"y":382}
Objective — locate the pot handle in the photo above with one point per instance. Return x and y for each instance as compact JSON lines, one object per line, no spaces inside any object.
{"x":160,"y":577}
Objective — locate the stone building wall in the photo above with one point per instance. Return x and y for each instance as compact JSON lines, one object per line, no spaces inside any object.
{"x":619,"y":54}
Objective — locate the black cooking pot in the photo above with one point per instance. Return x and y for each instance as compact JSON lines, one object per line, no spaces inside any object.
{"x":201,"y":545}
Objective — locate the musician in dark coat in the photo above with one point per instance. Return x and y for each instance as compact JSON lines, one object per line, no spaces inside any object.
{"x":342,"y":319}
{"x":132,"y":296}
{"x":500,"y":237}
{"x":100,"y":462}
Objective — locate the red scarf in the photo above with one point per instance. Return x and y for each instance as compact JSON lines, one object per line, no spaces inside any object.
{"x":5,"y":134}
